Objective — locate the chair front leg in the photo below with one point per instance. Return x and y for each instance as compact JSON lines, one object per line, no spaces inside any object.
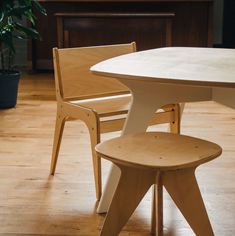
{"x":91,"y":119}
{"x":95,"y":139}
{"x":59,"y":128}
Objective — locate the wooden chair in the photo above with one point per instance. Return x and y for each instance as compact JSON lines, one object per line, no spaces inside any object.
{"x":98,"y":101}
{"x":163,"y":159}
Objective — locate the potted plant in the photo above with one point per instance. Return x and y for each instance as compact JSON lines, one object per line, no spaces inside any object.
{"x":12,"y":12}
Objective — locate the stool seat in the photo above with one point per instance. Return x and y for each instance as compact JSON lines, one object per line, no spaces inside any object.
{"x":159,"y":150}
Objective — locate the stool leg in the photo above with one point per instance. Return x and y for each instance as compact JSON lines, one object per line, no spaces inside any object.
{"x":154,"y":211}
{"x":183,"y":189}
{"x":132,"y":186}
{"x":157,"y":208}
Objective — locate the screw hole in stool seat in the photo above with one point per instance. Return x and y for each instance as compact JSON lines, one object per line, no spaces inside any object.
{"x":164,"y":159}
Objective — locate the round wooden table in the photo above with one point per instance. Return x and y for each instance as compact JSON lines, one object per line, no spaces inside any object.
{"x":167,"y":75}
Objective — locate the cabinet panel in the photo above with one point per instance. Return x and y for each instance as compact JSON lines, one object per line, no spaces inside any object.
{"x":147,"y":30}
{"x":228,"y":24}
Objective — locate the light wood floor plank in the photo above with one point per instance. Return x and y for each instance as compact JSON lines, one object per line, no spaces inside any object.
{"x":32,"y":203}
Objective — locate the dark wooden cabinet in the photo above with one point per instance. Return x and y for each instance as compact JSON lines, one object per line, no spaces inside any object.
{"x":229,"y":24}
{"x":85,"y":29}
{"x":151,"y":23}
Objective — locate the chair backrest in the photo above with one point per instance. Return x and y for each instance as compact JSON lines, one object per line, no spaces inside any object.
{"x":72,"y":71}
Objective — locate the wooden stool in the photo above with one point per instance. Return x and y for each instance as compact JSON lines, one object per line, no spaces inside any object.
{"x":164,"y":159}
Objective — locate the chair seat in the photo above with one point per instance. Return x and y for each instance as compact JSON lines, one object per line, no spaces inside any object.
{"x":159,"y":150}
{"x":107,"y":106}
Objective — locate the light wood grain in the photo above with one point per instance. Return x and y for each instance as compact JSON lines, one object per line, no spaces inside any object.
{"x":164,"y":159}
{"x":189,"y":66}
{"x":132,"y":186}
{"x":74,"y":81}
{"x":184,"y":190}
{"x":74,"y":66}
{"x":84,"y":96}
{"x":33,"y":203}
{"x":166,"y":75}
{"x":159,"y":150}
{"x":157,"y":207}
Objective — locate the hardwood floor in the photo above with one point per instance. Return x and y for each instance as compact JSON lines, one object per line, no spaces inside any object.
{"x":34,"y":203}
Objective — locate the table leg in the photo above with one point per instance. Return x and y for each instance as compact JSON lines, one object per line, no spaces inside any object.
{"x":110,"y":187}
{"x":148,"y":97}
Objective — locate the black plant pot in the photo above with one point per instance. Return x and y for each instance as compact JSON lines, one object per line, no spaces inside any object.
{"x":9,"y":89}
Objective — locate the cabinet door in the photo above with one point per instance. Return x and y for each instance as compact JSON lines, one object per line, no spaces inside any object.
{"x":229,"y":24}
{"x":147,"y":30}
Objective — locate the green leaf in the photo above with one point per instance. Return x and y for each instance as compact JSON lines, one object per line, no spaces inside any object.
{"x":18,"y":11}
{"x":11,"y":14}
{"x":7,"y":40}
{"x":20,"y":36}
{"x":1,"y":16}
{"x":30,"y":32}
{"x":30,"y":16}
{"x":39,"y":7}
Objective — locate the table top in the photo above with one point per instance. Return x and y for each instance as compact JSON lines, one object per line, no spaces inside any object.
{"x":176,"y":65}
